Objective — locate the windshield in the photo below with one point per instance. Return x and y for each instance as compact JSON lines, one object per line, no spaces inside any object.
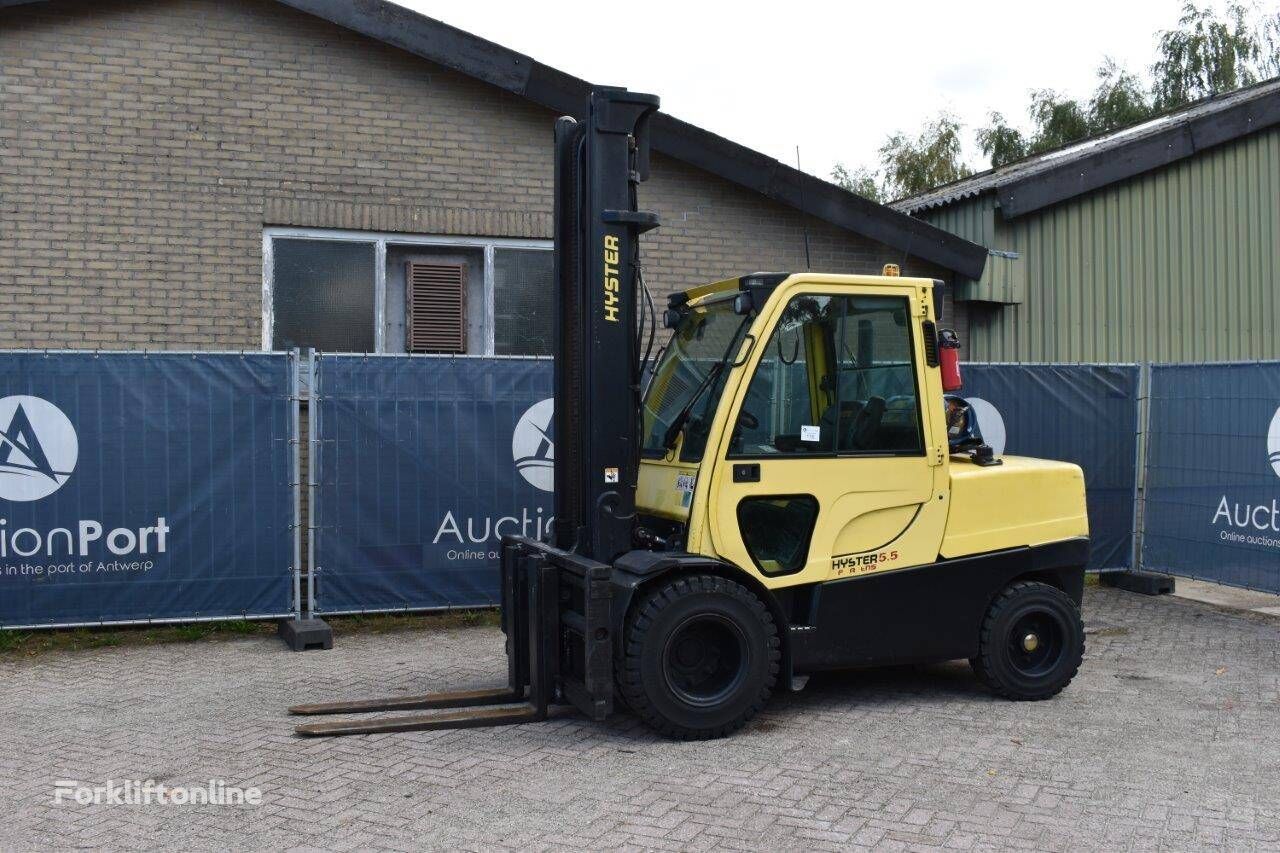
{"x":706,"y":337}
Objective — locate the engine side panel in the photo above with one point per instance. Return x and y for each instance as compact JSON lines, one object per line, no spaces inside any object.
{"x":1023,"y":502}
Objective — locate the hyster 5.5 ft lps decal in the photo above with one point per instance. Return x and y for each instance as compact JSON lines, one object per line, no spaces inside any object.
{"x":857,"y":564}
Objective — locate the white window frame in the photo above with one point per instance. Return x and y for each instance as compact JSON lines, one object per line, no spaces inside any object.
{"x":380,"y":241}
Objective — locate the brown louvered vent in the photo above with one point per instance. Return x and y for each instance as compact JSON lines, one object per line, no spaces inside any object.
{"x":435,"y":307}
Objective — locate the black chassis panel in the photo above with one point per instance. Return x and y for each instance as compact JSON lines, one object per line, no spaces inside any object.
{"x":636,"y":568}
{"x":923,"y":614}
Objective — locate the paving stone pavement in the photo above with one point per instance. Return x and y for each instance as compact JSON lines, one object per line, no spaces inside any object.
{"x":1169,"y":738}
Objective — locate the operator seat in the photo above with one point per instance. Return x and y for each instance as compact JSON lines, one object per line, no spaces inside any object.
{"x":859,"y":423}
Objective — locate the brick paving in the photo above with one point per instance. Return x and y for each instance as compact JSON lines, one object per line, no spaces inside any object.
{"x":1170,"y":737}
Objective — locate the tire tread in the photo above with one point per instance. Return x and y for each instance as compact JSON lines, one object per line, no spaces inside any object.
{"x":629,"y":682}
{"x":983,"y":663}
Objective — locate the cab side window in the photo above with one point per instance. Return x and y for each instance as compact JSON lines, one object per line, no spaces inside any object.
{"x":836,"y":376}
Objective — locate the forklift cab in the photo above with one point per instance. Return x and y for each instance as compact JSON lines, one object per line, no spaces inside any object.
{"x":787,"y":425}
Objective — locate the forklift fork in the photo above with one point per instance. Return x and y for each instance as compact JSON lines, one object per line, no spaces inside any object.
{"x":555,"y":614}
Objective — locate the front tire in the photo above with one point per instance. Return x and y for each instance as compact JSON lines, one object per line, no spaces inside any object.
{"x":1031,"y":642}
{"x":700,"y":657}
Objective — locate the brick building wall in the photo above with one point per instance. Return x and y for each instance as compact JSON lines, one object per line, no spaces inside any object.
{"x":145,"y":145}
{"x":712,"y":229}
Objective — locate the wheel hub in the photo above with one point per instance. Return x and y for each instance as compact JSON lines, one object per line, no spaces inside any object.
{"x":1036,"y":642}
{"x":705,"y":659}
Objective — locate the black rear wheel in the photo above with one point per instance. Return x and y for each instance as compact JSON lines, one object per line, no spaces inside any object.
{"x":700,"y":657}
{"x":1031,"y":643}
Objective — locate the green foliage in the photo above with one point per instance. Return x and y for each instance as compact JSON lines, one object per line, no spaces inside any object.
{"x":1058,"y":120}
{"x":1001,"y":143}
{"x":14,"y":644}
{"x":931,"y":159}
{"x":1119,"y":101}
{"x":192,"y":632}
{"x":12,"y":640}
{"x":1205,"y":55}
{"x":103,"y":640}
{"x":861,"y":181}
{"x":1269,"y":62}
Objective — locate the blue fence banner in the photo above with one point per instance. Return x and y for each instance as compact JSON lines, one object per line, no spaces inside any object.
{"x":1212,"y":508}
{"x":144,"y":487}
{"x":1081,"y":413}
{"x":425,"y":462}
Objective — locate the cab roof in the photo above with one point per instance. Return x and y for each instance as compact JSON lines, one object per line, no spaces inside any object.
{"x":765,"y":283}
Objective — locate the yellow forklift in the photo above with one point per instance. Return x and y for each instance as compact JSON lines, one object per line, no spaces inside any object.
{"x":794,"y":491}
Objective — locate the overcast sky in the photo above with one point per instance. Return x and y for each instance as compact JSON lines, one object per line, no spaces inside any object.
{"x":834,"y":78}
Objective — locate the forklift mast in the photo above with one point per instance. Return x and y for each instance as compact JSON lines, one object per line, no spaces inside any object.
{"x":557,"y":597}
{"x":599,"y":162}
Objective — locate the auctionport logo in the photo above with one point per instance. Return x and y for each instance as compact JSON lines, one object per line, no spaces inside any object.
{"x":532,"y":447}
{"x":38,"y":448}
{"x":1253,"y":523}
{"x":990,"y":424}
{"x":138,"y":792}
{"x":1273,"y":443}
{"x":533,"y":452}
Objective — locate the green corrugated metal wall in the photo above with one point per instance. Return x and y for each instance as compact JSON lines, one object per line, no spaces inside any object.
{"x":1179,"y":264}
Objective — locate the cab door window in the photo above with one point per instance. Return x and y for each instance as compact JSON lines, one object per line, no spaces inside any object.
{"x":836,"y":377}
{"x":794,"y":387}
{"x":879,"y":408}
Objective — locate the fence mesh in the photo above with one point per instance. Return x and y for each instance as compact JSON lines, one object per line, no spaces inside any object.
{"x":141,"y":487}
{"x":423,"y":464}
{"x":1212,"y":496}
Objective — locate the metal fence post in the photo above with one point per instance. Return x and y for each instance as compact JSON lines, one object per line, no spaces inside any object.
{"x":295,"y":477}
{"x":313,"y":463}
{"x":1136,"y":579}
{"x":304,"y":631}
{"x":1143,"y":427}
